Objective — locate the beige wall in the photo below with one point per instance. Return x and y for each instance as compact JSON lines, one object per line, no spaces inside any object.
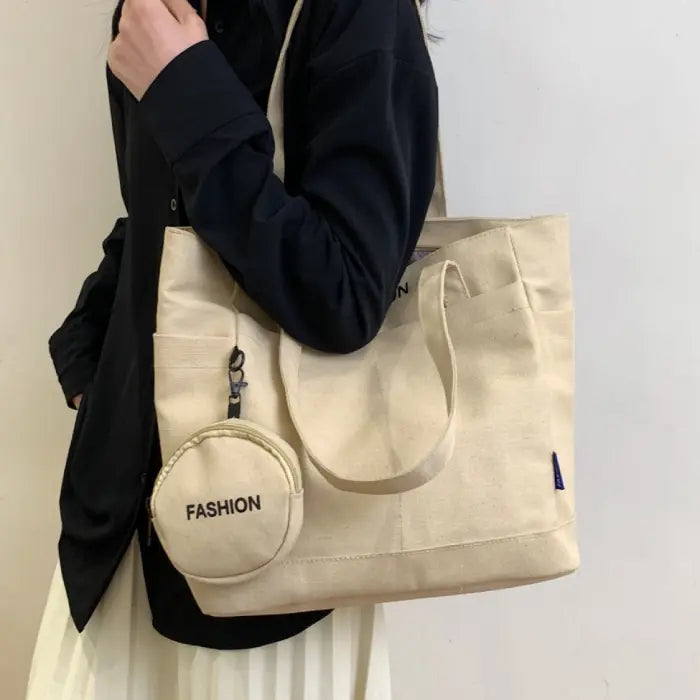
{"x":589,"y":107}
{"x":58,"y":198}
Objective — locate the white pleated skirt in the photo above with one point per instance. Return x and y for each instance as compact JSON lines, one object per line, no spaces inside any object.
{"x":120,"y":656}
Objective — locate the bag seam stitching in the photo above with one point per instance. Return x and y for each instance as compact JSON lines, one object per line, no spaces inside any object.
{"x":465,"y":545}
{"x":518,"y":268}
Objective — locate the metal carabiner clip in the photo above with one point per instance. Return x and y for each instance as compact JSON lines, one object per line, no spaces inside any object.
{"x":236,"y":379}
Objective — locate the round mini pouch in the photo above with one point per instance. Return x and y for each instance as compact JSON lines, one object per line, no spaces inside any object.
{"x":228,"y":503}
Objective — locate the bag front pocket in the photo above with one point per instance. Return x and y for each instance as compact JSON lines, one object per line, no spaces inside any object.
{"x":191,"y":385}
{"x":229,"y":500}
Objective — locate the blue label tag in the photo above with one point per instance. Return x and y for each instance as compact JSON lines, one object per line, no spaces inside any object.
{"x":558,"y":479}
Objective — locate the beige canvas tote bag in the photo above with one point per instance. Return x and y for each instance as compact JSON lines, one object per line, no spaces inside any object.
{"x":437,"y":460}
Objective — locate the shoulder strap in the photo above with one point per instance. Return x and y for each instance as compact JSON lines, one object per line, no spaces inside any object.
{"x":275,"y":114}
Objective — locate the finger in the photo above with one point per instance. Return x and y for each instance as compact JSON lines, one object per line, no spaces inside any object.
{"x":181,"y":10}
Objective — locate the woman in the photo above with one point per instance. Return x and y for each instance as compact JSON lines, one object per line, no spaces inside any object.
{"x":321,"y":253}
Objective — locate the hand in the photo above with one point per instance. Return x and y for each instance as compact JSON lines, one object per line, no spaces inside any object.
{"x":76,"y":400}
{"x":151,"y":34}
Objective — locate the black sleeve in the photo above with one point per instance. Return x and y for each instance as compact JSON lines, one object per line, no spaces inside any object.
{"x":323,"y":263}
{"x":75,"y":347}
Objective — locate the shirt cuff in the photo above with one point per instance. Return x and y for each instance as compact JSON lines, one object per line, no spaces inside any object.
{"x":194,"y":95}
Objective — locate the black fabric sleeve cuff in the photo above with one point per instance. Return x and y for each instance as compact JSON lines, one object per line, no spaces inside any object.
{"x":193,"y":96}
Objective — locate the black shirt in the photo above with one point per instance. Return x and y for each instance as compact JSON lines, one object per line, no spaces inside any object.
{"x":321,"y":253}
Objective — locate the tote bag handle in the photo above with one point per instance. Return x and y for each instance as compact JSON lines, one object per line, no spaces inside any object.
{"x":432,"y":304}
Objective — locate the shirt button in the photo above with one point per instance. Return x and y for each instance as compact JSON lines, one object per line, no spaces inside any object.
{"x":173,"y":204}
{"x":219,"y":26}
